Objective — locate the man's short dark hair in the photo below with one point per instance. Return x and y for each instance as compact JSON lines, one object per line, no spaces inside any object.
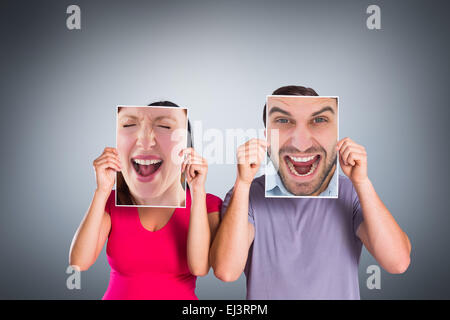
{"x":291,"y":91}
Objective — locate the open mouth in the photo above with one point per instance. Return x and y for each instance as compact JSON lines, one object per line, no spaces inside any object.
{"x":302,"y":166}
{"x":146,"y":167}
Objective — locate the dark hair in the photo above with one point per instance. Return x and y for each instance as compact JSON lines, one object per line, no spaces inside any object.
{"x":124,"y":196}
{"x":291,"y":91}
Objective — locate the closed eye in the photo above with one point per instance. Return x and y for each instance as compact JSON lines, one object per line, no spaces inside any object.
{"x":164,"y":127}
{"x":128,"y":125}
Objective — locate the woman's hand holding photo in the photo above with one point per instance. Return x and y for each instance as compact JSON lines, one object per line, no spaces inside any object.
{"x":106,"y":166}
{"x":195,"y":168}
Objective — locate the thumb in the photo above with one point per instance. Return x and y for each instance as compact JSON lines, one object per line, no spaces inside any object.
{"x":341,"y":162}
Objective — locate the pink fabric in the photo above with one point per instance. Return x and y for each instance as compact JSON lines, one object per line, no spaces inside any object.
{"x":146,"y":264}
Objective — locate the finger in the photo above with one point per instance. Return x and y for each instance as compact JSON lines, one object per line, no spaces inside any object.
{"x":108,"y":165}
{"x":106,"y":155}
{"x":194,"y":153}
{"x":194,"y":171}
{"x":243,"y":154}
{"x":196,"y":160}
{"x":253,"y":159}
{"x":342,"y":141}
{"x":349,"y":149}
{"x":254,"y":141}
{"x":353,"y":145}
{"x":183,"y":166}
{"x":190,"y":172}
{"x":186,"y":151}
{"x":354,"y":158}
{"x":344,"y":153}
{"x":255,"y":152}
{"x":262,"y":142}
{"x":186,"y":161}
{"x":245,"y":157}
{"x":343,"y":162}
{"x":109,"y":162}
{"x":257,"y":143}
{"x":186,"y":173}
{"x":254,"y":156}
{"x":252,"y":148}
{"x":101,"y":157}
{"x":116,"y":160}
{"x":200,"y":168}
{"x":102,"y":161}
{"x":111,"y":149}
{"x":350,"y":143}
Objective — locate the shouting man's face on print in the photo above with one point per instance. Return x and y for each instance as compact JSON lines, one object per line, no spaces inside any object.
{"x":302,"y":132}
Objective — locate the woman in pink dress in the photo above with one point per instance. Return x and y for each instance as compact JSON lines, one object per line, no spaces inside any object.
{"x":154,"y":252}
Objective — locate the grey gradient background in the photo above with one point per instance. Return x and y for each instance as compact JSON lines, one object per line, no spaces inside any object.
{"x":59,"y":89}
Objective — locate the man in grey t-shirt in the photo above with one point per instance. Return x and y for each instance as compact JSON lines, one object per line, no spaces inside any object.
{"x":305,"y":248}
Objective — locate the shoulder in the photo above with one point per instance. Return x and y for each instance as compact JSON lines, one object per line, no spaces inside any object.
{"x":345,"y":182}
{"x":213,"y":203}
{"x":346,"y":189}
{"x":258,"y":184}
{"x":212,"y":198}
{"x":257,"y":188}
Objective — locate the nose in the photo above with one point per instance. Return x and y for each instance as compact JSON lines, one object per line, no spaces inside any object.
{"x":146,"y":137}
{"x":301,"y":138}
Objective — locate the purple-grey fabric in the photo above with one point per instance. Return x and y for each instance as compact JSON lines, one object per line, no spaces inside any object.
{"x":304,"y":248}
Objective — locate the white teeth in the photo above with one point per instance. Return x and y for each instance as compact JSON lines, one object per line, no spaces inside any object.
{"x":146,"y":162}
{"x":291,"y":167}
{"x":300,"y":159}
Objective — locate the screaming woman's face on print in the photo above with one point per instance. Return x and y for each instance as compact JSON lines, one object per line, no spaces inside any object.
{"x":149,"y":140}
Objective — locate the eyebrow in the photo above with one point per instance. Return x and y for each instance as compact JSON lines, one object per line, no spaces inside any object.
{"x":156,"y":119}
{"x":164,"y":117}
{"x":278,"y":109}
{"x":324,"y":109}
{"x":127,"y":116}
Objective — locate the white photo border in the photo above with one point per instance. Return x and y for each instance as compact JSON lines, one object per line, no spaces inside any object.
{"x":117,"y":123}
{"x":337,"y":157}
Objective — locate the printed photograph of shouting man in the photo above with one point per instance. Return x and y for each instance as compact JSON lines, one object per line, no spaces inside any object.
{"x":302,"y":133}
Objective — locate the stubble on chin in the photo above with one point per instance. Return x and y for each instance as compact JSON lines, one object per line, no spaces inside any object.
{"x":307,"y":188}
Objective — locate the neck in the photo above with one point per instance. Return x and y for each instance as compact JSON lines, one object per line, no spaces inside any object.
{"x":174,"y":196}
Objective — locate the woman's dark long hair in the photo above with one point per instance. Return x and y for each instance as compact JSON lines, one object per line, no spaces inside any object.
{"x":124,"y":196}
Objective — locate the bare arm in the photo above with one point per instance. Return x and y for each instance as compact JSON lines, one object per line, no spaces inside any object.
{"x":202,"y":226}
{"x":91,"y":235}
{"x":379,"y":231}
{"x":235,"y":235}
{"x":93,"y":231}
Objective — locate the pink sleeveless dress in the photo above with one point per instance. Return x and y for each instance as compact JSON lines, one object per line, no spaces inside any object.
{"x":148,"y":265}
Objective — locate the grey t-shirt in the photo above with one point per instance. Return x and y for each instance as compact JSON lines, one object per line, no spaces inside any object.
{"x":304,"y":248}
